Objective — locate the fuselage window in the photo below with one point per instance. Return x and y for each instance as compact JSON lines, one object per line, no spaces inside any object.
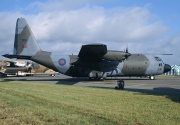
{"x":160,"y":64}
{"x":157,"y":59}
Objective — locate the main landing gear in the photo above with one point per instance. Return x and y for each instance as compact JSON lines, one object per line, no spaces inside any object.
{"x":120,"y":84}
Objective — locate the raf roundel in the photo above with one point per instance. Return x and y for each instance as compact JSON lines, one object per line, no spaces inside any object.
{"x":62,"y":62}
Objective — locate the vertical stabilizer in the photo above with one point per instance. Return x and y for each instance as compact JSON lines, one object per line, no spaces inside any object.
{"x":24,"y":42}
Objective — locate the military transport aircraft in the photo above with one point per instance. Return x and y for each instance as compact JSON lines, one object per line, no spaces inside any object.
{"x":93,"y":61}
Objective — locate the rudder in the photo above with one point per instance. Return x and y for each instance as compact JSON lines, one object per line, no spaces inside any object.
{"x":24,"y":41}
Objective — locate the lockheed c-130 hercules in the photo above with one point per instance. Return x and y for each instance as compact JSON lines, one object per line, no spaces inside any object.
{"x":93,"y":61}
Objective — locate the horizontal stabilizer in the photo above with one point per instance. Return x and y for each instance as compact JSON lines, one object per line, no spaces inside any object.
{"x":17,"y":56}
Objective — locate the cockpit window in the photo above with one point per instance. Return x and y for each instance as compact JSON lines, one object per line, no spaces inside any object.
{"x":158,"y":59}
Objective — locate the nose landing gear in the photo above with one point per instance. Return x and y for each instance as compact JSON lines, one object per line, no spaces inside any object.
{"x":152,"y":77}
{"x":120,"y":85}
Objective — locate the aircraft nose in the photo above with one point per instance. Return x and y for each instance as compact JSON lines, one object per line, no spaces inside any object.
{"x":167,"y":68}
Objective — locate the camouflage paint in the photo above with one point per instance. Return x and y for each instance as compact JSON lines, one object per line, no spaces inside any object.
{"x":24,"y":42}
{"x":26,"y":47}
{"x":135,"y":65}
{"x":44,"y":59}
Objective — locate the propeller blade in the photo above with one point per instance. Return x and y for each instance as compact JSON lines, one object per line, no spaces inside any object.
{"x":167,"y":54}
{"x":127,"y":49}
{"x":127,"y":53}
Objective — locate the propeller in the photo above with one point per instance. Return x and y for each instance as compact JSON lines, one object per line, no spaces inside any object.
{"x":127,"y":53}
{"x":162,"y":54}
{"x":167,"y":54}
{"x":126,"y":49}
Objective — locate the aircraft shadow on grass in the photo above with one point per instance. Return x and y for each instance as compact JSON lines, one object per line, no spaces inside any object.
{"x":170,"y":93}
{"x":72,"y":81}
{"x":66,"y":81}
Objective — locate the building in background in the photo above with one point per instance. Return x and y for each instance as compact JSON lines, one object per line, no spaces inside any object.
{"x":175,"y":70}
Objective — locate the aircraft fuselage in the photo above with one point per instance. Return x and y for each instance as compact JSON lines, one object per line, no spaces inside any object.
{"x":134,"y":65}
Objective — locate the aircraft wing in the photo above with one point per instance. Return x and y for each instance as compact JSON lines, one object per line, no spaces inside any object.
{"x":92,"y":52}
{"x":90,"y":55}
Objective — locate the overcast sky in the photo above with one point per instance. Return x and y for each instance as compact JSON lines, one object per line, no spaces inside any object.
{"x":148,"y":26}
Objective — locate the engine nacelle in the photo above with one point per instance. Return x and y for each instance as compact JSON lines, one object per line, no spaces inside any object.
{"x":116,"y":55}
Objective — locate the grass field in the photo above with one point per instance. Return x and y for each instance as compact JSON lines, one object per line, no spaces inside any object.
{"x":37,"y":103}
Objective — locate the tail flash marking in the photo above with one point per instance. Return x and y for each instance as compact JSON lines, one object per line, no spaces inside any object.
{"x":24,"y":45}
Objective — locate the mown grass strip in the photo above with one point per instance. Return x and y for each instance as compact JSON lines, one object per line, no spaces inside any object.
{"x":35,"y":103}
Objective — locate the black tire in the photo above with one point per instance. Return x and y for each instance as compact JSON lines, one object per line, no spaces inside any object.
{"x":152,"y":77}
{"x":121,"y":84}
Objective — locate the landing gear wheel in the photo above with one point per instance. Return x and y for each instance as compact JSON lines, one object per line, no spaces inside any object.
{"x":151,"y":77}
{"x":90,"y":78}
{"x":120,"y":85}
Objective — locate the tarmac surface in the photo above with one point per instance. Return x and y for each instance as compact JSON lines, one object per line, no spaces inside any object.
{"x":162,"y":85}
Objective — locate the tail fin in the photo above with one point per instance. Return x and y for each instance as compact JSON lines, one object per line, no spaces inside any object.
{"x":24,"y":42}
